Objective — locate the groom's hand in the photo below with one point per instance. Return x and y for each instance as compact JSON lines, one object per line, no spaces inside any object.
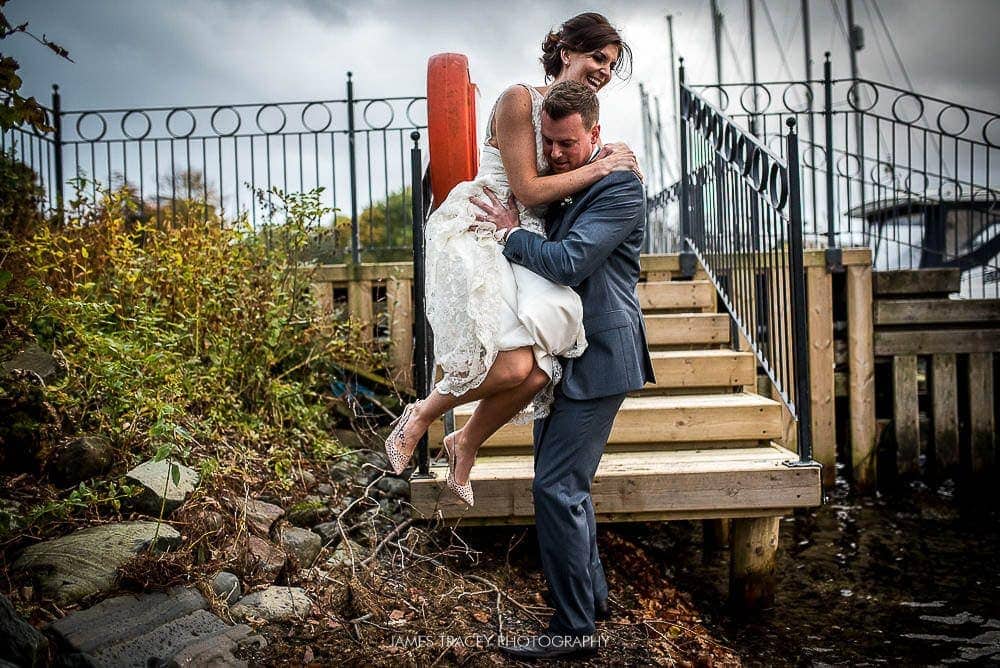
{"x":503,"y":217}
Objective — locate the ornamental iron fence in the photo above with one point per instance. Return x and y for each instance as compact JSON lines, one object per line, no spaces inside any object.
{"x":229,"y":157}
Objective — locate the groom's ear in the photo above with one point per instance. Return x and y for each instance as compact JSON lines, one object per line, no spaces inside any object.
{"x":595,"y":133}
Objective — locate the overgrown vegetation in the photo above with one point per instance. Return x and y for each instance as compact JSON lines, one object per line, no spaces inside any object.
{"x":183,"y":335}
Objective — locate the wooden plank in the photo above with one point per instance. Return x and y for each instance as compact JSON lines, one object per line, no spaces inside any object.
{"x":931,"y":342}
{"x":398,"y":294}
{"x":848,"y":256}
{"x":753,"y":560}
{"x":819,"y":298}
{"x":652,"y":516}
{"x":359,"y":305}
{"x":659,"y":419}
{"x":906,"y":414}
{"x":663,"y":295}
{"x":941,"y":281}
{"x":861,"y":361}
{"x":323,"y":294}
{"x":981,"y":420}
{"x":927,"y":311}
{"x":656,"y":483}
{"x":702,"y":368}
{"x":672,"y":329}
{"x":944,"y":399}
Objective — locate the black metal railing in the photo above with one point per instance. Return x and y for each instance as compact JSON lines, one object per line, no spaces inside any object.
{"x":911,"y":176}
{"x":354,"y":148}
{"x":741,"y":214}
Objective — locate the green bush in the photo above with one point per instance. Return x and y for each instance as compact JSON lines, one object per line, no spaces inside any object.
{"x":186,"y":335}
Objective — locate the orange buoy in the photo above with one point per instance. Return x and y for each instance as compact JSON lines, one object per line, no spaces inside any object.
{"x":451,"y":123}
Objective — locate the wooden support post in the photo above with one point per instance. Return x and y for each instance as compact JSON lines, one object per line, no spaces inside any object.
{"x":906,"y":414}
{"x":359,"y":304}
{"x":323,"y":294}
{"x":715,"y":536}
{"x":861,"y":365}
{"x":981,"y":421}
{"x":944,"y":398}
{"x":399,"y":298}
{"x":752,"y":561}
{"x":819,"y":296}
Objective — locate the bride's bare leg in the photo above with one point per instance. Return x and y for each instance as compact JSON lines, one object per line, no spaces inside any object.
{"x":510,"y":369}
{"x":492,"y":413}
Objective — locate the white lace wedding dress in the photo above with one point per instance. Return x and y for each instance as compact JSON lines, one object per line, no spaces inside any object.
{"x":479,"y":303}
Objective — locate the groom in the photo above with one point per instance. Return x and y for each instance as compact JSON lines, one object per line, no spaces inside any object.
{"x":593,"y":245}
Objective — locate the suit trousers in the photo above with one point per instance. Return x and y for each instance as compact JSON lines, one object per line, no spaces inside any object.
{"x":569,"y":444}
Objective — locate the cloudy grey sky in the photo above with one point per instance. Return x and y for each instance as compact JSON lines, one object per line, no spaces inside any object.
{"x":147,"y":53}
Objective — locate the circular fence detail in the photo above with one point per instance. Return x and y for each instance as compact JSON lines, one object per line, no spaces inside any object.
{"x":718,"y":91}
{"x":136,"y":114}
{"x":280,"y":115}
{"x":883,"y":173}
{"x":908,"y":108}
{"x":752,"y":95}
{"x":801,"y":90}
{"x":814,"y":157}
{"x":953,"y":120}
{"x":777,"y":186}
{"x":916,"y":182}
{"x":730,"y":143}
{"x":858,"y":95}
{"x":82,"y":120}
{"x":170,"y":120}
{"x":385,"y":109}
{"x":409,"y":112}
{"x":849,"y":160}
{"x":991,"y":132}
{"x":214,"y":121}
{"x":316,"y":126}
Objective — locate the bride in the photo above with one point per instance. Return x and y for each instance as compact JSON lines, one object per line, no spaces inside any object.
{"x":498,"y":327}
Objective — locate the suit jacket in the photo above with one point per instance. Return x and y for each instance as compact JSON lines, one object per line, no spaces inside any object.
{"x":593,"y":246}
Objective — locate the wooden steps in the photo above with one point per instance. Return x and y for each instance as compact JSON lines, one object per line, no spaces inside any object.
{"x":634,"y":486}
{"x":702,"y":369}
{"x":654,"y":420}
{"x":696,"y":444}
{"x":698,"y":296}
{"x":686,"y":329}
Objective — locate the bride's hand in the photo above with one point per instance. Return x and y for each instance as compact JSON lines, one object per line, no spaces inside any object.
{"x":618,"y":157}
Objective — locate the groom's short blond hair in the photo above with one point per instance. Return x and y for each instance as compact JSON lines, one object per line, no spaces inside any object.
{"x":572,"y":97}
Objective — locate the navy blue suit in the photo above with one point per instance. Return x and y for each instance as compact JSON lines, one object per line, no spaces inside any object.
{"x":593,"y":246}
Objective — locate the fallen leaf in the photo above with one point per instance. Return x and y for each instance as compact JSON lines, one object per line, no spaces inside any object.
{"x":481,"y":616}
{"x":396,"y":614}
{"x":308,"y":656}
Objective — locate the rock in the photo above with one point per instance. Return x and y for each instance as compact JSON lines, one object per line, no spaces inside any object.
{"x":264,"y":559}
{"x":305,"y":478}
{"x":376,"y":459}
{"x":164,"y":642}
{"x":86,"y":562}
{"x":328,"y":532}
{"x":342,"y":555}
{"x":307,"y":513}
{"x":35,"y":360}
{"x":274,"y":604}
{"x":227,"y":587}
{"x":79,"y":459}
{"x":394,"y":487}
{"x":261,"y":516}
{"x":302,"y":544}
{"x":158,"y":487}
{"x":349,"y":439}
{"x":118,"y":619}
{"x":325,"y":489}
{"x":20,"y":642}
{"x":158,"y":629}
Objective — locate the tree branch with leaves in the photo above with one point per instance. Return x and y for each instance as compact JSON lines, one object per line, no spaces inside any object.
{"x":15,"y":109}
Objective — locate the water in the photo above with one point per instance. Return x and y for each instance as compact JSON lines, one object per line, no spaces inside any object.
{"x":909,"y":580}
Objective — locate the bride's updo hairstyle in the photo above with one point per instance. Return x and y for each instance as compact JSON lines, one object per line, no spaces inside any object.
{"x":585,"y":32}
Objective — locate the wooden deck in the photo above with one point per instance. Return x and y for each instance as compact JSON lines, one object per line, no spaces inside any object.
{"x":639,"y":486}
{"x":699,"y":443}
